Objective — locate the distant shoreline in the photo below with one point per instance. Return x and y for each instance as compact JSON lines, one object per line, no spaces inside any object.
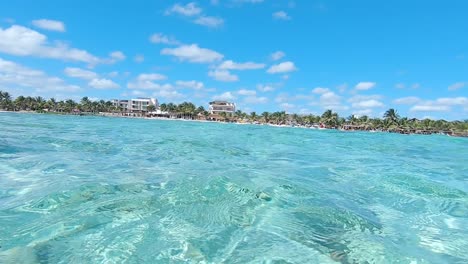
{"x":235,"y":123}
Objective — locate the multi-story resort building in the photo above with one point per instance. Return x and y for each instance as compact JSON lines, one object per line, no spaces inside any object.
{"x":217,"y":107}
{"x":135,"y":105}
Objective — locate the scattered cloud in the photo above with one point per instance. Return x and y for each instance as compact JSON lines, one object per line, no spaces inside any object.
{"x":400,"y":85}
{"x":23,"y":41}
{"x":283,"y":67}
{"x":48,"y":24}
{"x":265,"y":88}
{"x":320,"y":90}
{"x":247,"y":92}
{"x":115,"y":56}
{"x":281,"y":15}
{"x":365,"y":85}
{"x":342,"y":87}
{"x":371,"y":103}
{"x":190,"y":84}
{"x":146,"y":81}
{"x":227,"y":96}
{"x":430,"y":108}
{"x":139,"y":58}
{"x":407,"y":100}
{"x":103,"y":84}
{"x":209,"y":21}
{"x":14,"y":75}
{"x":277,"y":55}
{"x":255,"y":100}
{"x":223,"y":76}
{"x":151,"y":77}
{"x":231,"y":65}
{"x":159,"y":38}
{"x":190,"y":9}
{"x":443,"y":104}
{"x":456,"y":86}
{"x":193,"y":53}
{"x":287,"y":106}
{"x":80,"y":73}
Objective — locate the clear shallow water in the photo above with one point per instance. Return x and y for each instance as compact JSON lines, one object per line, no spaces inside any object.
{"x":109,"y":190}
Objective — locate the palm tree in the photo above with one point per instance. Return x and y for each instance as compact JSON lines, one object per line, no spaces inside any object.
{"x":391,"y":115}
{"x":253,"y":116}
{"x":330,"y":119}
{"x":151,"y":108}
{"x":5,"y":101}
{"x":266,"y":117}
{"x":163,"y":107}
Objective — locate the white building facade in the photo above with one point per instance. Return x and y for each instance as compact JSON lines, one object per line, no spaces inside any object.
{"x":135,"y":105}
{"x":217,"y":107}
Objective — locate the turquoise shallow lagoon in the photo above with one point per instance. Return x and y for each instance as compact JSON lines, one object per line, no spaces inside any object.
{"x":113,"y":190}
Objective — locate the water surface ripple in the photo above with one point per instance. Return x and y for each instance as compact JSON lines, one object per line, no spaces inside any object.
{"x":109,"y":190}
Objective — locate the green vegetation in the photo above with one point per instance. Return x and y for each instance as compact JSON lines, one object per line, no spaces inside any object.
{"x":391,"y":121}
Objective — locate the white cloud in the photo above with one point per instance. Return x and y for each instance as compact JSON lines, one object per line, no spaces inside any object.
{"x":443,"y":104}
{"x":145,"y":81}
{"x":14,"y":75}
{"x":277,"y":55}
{"x":407,"y":100}
{"x":430,"y":108}
{"x":223,"y":76}
{"x":168,"y":94}
{"x":227,"y":96}
{"x":148,"y":85}
{"x":139,"y":58}
{"x":320,"y":90}
{"x":193,"y":53}
{"x":247,"y":92}
{"x":80,"y":73}
{"x":163,"y":39}
{"x":209,"y":21}
{"x":400,"y":85}
{"x":115,"y":56}
{"x":330,"y":100}
{"x":365,"y":85}
{"x":372,"y":103}
{"x":230,"y":65}
{"x":452,"y":101}
{"x":456,"y":86}
{"x":48,"y":24}
{"x":287,"y":106}
{"x":255,"y":100}
{"x":342,"y":87}
{"x":362,"y":112}
{"x":190,"y":84}
{"x":281,"y":15}
{"x":190,"y":9}
{"x":415,"y":86}
{"x":265,"y":88}
{"x":113,"y":74}
{"x":103,"y":84}
{"x":151,"y":77}
{"x":22,"y":41}
{"x":283,"y":67}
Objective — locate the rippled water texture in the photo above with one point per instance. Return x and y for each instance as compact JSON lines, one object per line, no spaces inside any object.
{"x":110,"y":190}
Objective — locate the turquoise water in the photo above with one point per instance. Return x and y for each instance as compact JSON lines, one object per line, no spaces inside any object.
{"x":112,"y":190}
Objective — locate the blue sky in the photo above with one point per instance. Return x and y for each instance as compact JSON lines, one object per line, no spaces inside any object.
{"x":355,"y":57}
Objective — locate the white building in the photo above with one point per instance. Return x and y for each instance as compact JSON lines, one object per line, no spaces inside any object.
{"x":135,"y":105}
{"x":217,"y":107}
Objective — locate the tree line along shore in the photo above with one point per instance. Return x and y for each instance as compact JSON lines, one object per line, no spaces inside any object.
{"x":391,"y":121}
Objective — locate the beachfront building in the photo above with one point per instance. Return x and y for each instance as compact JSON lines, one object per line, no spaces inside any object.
{"x":218,"y":107}
{"x":135,"y":105}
